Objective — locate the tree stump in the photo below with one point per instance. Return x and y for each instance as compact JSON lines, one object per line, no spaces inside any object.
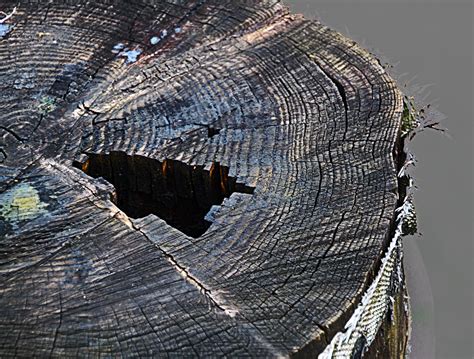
{"x":190,"y":178}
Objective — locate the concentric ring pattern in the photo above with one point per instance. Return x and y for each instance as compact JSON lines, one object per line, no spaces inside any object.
{"x":291,"y":108}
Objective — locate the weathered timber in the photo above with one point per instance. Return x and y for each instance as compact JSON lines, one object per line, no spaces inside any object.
{"x":254,"y":156}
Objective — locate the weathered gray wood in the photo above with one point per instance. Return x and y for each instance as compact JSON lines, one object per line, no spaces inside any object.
{"x":300,"y":121}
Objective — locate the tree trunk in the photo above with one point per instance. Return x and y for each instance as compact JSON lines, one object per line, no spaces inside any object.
{"x":188,"y":178}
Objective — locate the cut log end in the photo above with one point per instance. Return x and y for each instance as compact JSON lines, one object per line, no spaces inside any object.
{"x":194,"y":178}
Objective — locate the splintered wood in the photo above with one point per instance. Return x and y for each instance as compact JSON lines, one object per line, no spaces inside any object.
{"x":274,"y":136}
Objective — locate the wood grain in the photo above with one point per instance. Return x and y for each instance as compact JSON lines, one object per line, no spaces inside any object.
{"x":299,"y":115}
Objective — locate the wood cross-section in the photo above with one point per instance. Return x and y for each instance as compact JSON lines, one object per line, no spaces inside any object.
{"x":301,"y":123}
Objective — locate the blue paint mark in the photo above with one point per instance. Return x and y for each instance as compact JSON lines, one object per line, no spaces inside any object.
{"x":117,"y":48}
{"x":131,"y":55}
{"x":4,"y":29}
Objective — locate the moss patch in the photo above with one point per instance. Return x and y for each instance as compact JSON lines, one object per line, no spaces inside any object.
{"x":410,"y":116}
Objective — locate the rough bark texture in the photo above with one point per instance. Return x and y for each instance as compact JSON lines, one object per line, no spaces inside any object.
{"x":282,"y":128}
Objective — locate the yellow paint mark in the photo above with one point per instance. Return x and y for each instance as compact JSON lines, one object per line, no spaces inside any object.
{"x":21,"y":203}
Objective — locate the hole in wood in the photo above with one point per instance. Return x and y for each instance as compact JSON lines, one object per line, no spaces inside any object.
{"x":211,"y":131}
{"x":178,"y":193}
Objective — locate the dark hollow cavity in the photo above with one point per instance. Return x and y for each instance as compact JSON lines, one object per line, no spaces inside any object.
{"x":178,"y":193}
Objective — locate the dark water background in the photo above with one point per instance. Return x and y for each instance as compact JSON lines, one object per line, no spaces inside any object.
{"x":431,"y":43}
